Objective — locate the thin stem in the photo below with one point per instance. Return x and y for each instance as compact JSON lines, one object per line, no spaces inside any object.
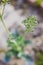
{"x":8,"y":33}
{"x":3,"y":9}
{"x":5,"y":27}
{"x":3,"y":20}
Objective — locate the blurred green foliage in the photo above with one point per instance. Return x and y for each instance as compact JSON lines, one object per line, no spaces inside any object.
{"x":17,"y":45}
{"x":38,"y":2}
{"x":4,"y":1}
{"x":40,"y":58}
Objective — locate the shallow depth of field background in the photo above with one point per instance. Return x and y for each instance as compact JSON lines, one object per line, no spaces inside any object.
{"x":16,"y":12}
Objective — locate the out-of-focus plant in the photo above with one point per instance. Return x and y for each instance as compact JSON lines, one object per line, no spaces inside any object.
{"x":40,"y":58}
{"x":4,"y":1}
{"x":17,"y":42}
{"x":38,"y":2}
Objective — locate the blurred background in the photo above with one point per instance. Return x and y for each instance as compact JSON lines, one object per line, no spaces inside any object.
{"x":15,"y":12}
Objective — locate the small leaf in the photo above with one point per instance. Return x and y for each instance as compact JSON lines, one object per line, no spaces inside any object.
{"x":20,"y":40}
{"x":20,"y":54}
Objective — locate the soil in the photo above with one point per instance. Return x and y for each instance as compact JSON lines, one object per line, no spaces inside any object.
{"x":16,"y":62}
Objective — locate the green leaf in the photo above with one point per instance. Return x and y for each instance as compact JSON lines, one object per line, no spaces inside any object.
{"x":30,"y":23}
{"x":12,"y":44}
{"x":20,"y":54}
{"x":20,"y":40}
{"x":11,"y":36}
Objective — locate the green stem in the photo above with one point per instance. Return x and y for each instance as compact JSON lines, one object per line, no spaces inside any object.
{"x":3,"y":20}
{"x":3,"y":9}
{"x":8,"y":33}
{"x":5,"y":27}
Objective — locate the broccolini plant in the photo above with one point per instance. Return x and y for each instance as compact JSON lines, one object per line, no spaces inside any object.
{"x":16,"y":41}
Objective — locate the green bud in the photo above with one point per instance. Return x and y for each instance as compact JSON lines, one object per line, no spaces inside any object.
{"x":30,"y":23}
